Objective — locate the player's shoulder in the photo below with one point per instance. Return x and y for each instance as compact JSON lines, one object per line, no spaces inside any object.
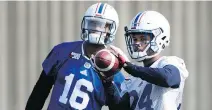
{"x":67,"y":45}
{"x":174,"y":60}
{"x":177,"y":62}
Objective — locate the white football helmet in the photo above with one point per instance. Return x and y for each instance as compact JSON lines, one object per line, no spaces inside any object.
{"x":99,"y":24}
{"x":150,"y":22}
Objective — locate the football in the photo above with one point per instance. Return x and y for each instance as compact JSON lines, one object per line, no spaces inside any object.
{"x":106,"y":62}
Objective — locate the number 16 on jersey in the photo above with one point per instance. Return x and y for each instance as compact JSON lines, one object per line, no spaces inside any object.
{"x":77,"y":93}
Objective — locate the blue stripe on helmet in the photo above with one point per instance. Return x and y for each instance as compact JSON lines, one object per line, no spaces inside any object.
{"x":136,"y":19}
{"x":101,"y":8}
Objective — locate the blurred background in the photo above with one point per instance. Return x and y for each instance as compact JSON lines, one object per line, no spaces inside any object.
{"x":28,"y":31}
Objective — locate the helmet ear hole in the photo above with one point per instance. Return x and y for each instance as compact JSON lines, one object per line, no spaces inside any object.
{"x":163,"y":46}
{"x":161,"y":30}
{"x":163,"y":37}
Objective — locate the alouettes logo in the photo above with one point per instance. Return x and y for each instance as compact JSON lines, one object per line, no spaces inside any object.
{"x":75,"y":55}
{"x":87,"y":65}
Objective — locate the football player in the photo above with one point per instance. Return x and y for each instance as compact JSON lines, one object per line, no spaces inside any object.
{"x":158,"y":85}
{"x":76,"y":85}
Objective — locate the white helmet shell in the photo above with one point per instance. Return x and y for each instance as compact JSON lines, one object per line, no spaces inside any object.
{"x":102,"y":14}
{"x":148,"y":22}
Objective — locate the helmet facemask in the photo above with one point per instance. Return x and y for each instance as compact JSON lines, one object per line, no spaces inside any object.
{"x":146,"y":47}
{"x":97,"y":30}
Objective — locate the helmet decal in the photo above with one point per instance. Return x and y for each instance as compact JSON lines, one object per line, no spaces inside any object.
{"x":100,"y":9}
{"x":137,"y":19}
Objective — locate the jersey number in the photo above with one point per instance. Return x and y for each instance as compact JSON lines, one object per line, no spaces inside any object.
{"x":145,"y":101}
{"x":77,"y":93}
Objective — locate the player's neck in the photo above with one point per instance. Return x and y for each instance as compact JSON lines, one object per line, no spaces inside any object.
{"x":90,"y":49}
{"x":149,"y":62}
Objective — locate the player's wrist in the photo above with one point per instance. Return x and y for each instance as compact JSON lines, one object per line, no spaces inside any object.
{"x":126,"y":64}
{"x":107,"y":80}
{"x":104,"y":78}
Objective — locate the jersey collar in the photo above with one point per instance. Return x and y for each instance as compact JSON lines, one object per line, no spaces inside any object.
{"x":83,"y":52}
{"x":156,"y":62}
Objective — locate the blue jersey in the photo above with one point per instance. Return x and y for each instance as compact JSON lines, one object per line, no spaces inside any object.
{"x":77,"y":85}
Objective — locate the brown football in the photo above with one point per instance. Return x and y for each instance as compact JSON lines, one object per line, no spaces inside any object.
{"x":106,"y":62}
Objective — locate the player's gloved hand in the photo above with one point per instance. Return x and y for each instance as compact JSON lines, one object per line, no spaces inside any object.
{"x":120,"y":55}
{"x":102,"y":75}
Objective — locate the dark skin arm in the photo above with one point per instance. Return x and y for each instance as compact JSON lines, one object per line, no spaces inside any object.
{"x":40,"y":92}
{"x":113,"y":100}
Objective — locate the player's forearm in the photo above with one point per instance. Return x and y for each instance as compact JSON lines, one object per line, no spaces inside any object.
{"x":113,"y":99}
{"x":40,"y":92}
{"x":112,"y":96}
{"x":168,"y":76}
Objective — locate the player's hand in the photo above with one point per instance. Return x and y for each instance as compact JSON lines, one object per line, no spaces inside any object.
{"x":120,"y":55}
